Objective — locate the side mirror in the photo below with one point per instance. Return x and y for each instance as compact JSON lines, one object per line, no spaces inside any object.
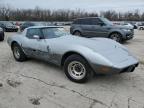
{"x":36,"y":37}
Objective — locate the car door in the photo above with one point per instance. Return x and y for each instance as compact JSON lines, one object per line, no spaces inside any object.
{"x":99,"y":28}
{"x":35,"y":44}
{"x":86,"y":27}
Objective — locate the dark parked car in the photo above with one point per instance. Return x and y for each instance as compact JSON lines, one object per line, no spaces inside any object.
{"x":29,"y":24}
{"x":1,"y":34}
{"x":8,"y":26}
{"x":100,"y":27}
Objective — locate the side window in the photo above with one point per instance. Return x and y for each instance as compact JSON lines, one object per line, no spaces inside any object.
{"x":96,"y":21}
{"x":76,"y":22}
{"x":32,"y":32}
{"x":49,"y":33}
{"x":85,"y":21}
{"x":82,"y":21}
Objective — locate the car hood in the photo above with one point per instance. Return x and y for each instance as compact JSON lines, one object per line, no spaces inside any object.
{"x":121,"y":26}
{"x":111,"y":50}
{"x":96,"y":44}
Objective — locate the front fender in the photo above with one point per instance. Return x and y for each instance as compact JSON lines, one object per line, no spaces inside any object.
{"x":91,"y":56}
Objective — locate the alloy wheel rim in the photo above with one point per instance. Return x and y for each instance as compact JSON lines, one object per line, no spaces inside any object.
{"x":115,"y":37}
{"x":76,"y":70}
{"x":16,"y":52}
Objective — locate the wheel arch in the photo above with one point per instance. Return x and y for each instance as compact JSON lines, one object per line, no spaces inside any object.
{"x":67,"y":54}
{"x":115,"y":32}
{"x":76,"y":31}
{"x":14,"y":42}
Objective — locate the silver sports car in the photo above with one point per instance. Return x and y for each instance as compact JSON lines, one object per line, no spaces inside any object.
{"x":80,"y":57}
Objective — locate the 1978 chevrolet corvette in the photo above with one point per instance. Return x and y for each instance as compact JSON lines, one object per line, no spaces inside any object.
{"x":79,"y":57}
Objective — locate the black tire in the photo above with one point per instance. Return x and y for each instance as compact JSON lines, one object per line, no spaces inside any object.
{"x":135,"y":27}
{"x":16,"y":30}
{"x":22,"y":57}
{"x":140,"y":28}
{"x":2,"y":38}
{"x":116,"y":36}
{"x":88,"y":73}
{"x":77,"y":33}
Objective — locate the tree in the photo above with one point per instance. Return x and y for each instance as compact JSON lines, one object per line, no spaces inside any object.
{"x":38,"y":14}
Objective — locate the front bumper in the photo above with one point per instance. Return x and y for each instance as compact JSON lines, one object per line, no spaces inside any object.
{"x":129,"y":68}
{"x":129,"y":35}
{"x":128,"y":65}
{"x":99,"y":69}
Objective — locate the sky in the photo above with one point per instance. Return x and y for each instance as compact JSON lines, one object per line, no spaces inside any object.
{"x":87,"y":5}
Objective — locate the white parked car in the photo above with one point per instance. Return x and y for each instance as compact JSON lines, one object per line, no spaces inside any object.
{"x":128,"y":25}
{"x":141,"y":27}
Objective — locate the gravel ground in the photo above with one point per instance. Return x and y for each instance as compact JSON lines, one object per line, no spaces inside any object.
{"x":36,"y":84}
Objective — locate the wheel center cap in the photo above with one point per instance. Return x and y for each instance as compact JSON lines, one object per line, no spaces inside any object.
{"x":78,"y":68}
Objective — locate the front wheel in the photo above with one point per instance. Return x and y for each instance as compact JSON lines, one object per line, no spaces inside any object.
{"x":77,"y":69}
{"x":18,"y":53}
{"x":116,"y":37}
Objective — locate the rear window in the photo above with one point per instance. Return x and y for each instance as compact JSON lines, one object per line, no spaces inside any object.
{"x":76,"y":22}
{"x":82,"y":21}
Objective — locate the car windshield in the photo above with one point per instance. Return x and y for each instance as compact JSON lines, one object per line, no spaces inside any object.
{"x":54,"y":32}
{"x":106,"y":21}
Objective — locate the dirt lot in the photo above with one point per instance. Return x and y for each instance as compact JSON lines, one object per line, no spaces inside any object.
{"x":36,"y":84}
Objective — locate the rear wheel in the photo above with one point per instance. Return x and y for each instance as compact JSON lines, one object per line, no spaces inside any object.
{"x":116,"y":37}
{"x":77,"y":33}
{"x":18,"y":53}
{"x":77,"y":69}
